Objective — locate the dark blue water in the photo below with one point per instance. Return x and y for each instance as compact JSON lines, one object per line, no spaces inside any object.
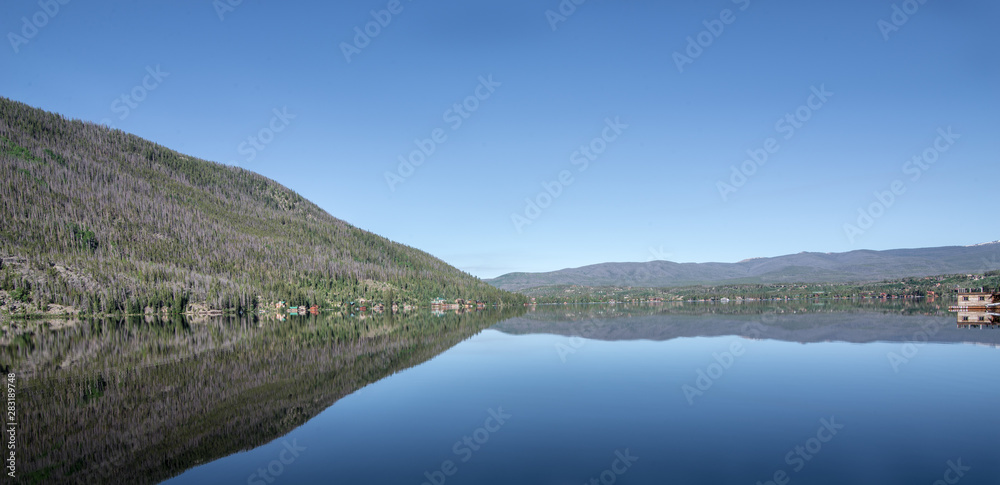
{"x":539,"y":408}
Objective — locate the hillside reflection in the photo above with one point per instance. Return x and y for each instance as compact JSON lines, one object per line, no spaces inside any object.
{"x":140,"y":400}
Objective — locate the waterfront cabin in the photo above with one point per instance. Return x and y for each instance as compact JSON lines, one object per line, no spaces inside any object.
{"x":977,"y":308}
{"x":979,"y":298}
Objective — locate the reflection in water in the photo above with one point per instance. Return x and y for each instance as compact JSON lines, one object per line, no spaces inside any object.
{"x":802,"y":321}
{"x":140,"y":400}
{"x":697,"y":393}
{"x":978,"y":319}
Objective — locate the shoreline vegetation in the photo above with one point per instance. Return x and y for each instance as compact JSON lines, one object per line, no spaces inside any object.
{"x":931,"y":287}
{"x":28,"y":311}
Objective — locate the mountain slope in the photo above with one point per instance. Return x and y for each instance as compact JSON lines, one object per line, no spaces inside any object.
{"x":854,"y":266}
{"x":105,"y":221}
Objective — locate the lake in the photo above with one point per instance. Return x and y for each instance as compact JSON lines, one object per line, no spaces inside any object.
{"x":801,"y":392}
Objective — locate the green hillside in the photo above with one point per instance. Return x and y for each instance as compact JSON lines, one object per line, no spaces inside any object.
{"x":105,"y":222}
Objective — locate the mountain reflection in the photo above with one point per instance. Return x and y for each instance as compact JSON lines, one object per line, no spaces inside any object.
{"x":803,"y":321}
{"x":142,"y":399}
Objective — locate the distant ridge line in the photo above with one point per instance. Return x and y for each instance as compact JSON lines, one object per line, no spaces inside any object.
{"x":863,"y":265}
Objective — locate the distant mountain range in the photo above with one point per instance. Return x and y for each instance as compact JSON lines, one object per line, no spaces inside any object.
{"x":805,"y":267}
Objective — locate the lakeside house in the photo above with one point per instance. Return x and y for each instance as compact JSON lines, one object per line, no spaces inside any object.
{"x":974,"y":299}
{"x":977,"y":298}
{"x":977,"y":308}
{"x":440,"y":305}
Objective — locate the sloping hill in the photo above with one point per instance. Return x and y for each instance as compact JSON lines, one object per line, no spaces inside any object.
{"x":105,"y":221}
{"x":854,"y":266}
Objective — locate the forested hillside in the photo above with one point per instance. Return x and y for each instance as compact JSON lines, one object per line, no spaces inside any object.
{"x":104,"y":221}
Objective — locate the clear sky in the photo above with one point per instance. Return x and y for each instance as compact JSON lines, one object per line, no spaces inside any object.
{"x":665,"y":121}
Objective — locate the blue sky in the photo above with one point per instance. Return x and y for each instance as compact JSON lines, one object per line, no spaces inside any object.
{"x":663,"y":184}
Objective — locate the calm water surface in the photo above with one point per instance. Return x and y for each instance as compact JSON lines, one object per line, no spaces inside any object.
{"x":573,"y":395}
